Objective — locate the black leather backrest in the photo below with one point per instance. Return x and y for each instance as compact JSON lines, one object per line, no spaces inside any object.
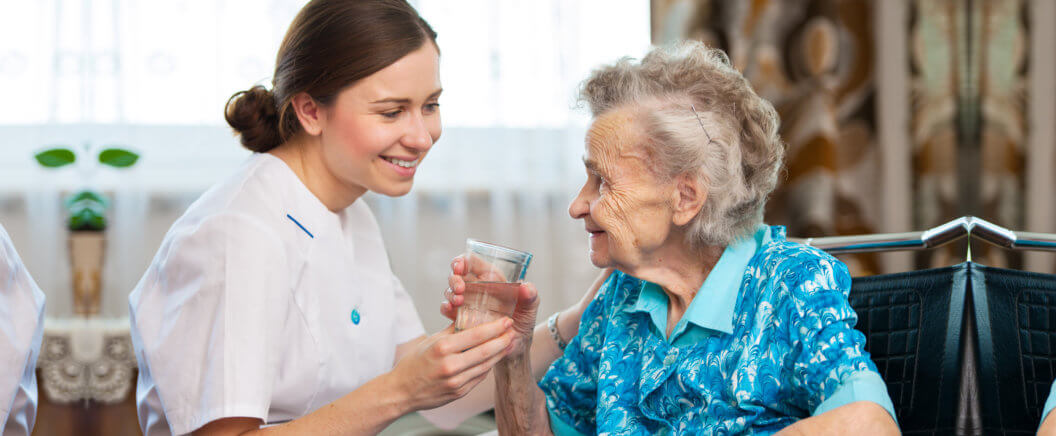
{"x":1016,"y":331}
{"x":912,"y":322}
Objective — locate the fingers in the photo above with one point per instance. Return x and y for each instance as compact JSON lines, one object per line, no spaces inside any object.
{"x":448,"y":311}
{"x":469,"y":338}
{"x":456,"y":284}
{"x":458,"y":265}
{"x":478,"y":372}
{"x":527,"y":294}
{"x":450,"y":296}
{"x":527,"y":306}
{"x":495,"y":348}
{"x":479,"y":269}
{"x":468,"y":386}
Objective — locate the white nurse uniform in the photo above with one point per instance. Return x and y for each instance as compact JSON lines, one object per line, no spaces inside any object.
{"x":263,"y":303}
{"x":21,"y":329}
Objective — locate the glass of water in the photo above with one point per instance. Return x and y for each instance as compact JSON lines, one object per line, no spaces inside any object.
{"x":493,"y":276}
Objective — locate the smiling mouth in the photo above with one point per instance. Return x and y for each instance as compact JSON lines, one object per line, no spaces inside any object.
{"x":403,"y":163}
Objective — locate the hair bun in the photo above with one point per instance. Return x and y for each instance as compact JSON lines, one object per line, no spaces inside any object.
{"x":253,"y":115}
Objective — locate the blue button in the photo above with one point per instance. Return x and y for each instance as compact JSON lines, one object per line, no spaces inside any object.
{"x":355,"y":316}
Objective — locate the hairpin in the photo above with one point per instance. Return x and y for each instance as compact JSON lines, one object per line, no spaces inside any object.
{"x":694,"y":108}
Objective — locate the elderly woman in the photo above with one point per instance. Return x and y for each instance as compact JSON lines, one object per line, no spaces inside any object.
{"x":712,"y":323}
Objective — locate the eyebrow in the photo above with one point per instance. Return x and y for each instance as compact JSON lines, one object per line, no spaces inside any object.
{"x":435,"y":94}
{"x":591,"y":165}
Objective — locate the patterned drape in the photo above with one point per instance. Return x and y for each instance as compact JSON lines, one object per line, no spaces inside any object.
{"x":814,"y":59}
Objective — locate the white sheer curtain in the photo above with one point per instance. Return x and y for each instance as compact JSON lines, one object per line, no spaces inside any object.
{"x":154,"y":76}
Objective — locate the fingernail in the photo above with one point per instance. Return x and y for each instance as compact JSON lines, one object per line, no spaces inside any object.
{"x":508,"y":323}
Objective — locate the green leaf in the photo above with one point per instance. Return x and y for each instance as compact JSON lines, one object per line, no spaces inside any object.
{"x":56,"y":157}
{"x":87,"y":211}
{"x":86,"y":196}
{"x":118,"y":157}
{"x":87,"y":219}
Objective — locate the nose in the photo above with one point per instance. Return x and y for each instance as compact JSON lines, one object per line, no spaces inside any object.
{"x":580,"y":206}
{"x":418,"y":135}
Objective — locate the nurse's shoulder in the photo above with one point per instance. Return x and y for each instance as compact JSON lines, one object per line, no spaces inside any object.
{"x":256,"y":192}
{"x":237,"y":221}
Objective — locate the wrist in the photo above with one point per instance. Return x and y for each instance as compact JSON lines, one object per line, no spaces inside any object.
{"x":395,"y":391}
{"x":516,"y":362}
{"x":553,"y":326}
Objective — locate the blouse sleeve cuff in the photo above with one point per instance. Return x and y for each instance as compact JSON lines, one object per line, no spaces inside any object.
{"x":860,"y":386}
{"x":560,"y":428}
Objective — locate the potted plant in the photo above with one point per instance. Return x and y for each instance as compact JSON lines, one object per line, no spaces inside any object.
{"x":86,"y":222}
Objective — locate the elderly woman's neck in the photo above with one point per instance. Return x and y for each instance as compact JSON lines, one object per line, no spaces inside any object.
{"x":679,"y":271}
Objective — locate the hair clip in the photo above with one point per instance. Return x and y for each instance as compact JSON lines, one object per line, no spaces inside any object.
{"x":694,"y":108}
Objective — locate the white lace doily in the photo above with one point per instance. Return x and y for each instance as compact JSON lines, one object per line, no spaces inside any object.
{"x":86,"y":359}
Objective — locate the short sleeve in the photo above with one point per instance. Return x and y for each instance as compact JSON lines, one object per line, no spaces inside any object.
{"x":21,"y":330}
{"x":830,"y":365}
{"x":570,"y":385}
{"x":407,"y":325}
{"x":1050,"y":403}
{"x":206,"y":316}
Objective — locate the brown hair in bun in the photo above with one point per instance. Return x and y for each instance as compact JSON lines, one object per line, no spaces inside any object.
{"x":254,"y":116}
{"x":330,"y":45}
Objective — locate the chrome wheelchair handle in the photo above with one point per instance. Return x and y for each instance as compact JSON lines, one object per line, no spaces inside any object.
{"x":966,"y":226}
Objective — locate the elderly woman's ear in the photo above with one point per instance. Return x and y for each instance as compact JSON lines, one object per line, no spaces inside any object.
{"x":688,"y":198}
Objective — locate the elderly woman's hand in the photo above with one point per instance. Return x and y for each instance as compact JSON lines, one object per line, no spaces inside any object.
{"x":527,"y":299}
{"x":524,"y":319}
{"x":454,"y":295}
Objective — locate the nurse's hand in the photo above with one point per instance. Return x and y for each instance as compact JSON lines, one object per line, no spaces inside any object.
{"x":447,"y":365}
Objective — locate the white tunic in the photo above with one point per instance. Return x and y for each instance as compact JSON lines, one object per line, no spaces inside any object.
{"x":263,"y":303}
{"x":21,"y":329}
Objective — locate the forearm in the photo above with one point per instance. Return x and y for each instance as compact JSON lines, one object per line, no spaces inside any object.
{"x":864,"y":416}
{"x":364,"y":411}
{"x":1048,"y":425}
{"x":521,"y":405}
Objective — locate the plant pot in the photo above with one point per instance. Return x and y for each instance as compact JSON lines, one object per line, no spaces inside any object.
{"x":86,"y":261}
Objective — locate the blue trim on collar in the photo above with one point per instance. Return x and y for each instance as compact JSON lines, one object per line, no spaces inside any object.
{"x":299,"y":225}
{"x":714,"y":310}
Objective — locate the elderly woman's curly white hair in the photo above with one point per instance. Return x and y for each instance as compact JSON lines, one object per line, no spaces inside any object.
{"x":701,"y":117}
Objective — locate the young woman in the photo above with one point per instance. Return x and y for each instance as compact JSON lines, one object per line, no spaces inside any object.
{"x":271,"y":302}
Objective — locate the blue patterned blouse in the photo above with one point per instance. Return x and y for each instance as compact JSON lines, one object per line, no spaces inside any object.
{"x":768,"y":340}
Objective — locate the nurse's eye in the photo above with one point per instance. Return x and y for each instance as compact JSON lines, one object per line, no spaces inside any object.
{"x":432,"y":107}
{"x":392,"y":114}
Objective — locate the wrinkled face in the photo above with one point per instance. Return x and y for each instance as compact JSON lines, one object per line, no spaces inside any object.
{"x":624,"y":207}
{"x":378,"y":130}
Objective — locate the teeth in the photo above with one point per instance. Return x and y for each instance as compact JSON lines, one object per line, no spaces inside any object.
{"x":403,"y":163}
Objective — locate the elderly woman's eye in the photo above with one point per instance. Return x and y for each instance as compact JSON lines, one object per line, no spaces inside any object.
{"x":392,"y":114}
